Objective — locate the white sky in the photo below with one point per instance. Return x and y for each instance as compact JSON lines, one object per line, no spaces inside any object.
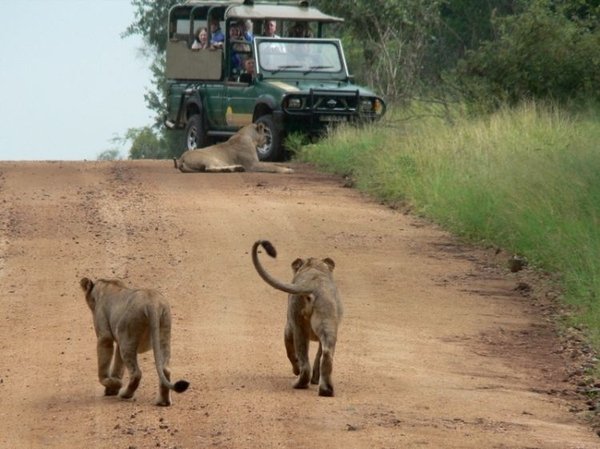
{"x":68,"y":81}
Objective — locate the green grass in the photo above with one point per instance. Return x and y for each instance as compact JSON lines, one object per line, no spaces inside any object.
{"x":525,"y":179}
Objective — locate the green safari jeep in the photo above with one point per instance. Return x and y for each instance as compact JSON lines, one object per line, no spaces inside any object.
{"x":300,"y":81}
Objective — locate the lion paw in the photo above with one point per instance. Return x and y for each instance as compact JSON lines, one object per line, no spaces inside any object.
{"x":326,"y":390}
{"x":126,"y":394}
{"x":163,"y":402}
{"x":111,"y":391}
{"x":112,"y":385}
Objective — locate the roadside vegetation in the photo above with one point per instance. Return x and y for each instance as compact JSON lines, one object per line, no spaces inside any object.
{"x":526,"y":179}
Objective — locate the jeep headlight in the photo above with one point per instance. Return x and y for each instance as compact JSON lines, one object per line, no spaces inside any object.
{"x":366,"y":105}
{"x":294,"y":103}
{"x":378,"y":107}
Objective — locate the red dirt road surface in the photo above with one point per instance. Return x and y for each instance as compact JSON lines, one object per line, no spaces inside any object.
{"x":437,"y":348}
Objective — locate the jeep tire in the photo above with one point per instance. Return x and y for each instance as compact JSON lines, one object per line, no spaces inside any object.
{"x":195,"y":133}
{"x":271,"y":151}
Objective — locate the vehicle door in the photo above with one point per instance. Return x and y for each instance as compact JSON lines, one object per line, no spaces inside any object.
{"x":239,"y":103}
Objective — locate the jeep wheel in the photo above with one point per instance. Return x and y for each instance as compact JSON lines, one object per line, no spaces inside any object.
{"x":270,"y":151}
{"x":195,"y":133}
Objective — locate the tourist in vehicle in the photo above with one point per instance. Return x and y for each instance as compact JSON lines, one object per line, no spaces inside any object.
{"x":300,"y":29}
{"x":249,"y":30}
{"x":249,"y":70}
{"x":235,"y":36}
{"x":270,"y":29}
{"x":217,"y":38}
{"x":201,"y":39}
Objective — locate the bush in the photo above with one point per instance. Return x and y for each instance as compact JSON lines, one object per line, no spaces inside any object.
{"x":539,"y":54}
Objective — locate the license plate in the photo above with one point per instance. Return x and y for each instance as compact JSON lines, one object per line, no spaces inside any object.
{"x":333,"y":118}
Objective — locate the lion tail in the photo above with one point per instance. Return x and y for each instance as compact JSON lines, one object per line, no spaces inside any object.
{"x":181,"y":385}
{"x":276,"y":284}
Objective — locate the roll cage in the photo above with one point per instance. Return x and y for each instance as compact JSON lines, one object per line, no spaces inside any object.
{"x":215,"y":65}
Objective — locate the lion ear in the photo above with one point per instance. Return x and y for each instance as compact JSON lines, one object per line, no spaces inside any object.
{"x":330,"y":263}
{"x":296,"y":264}
{"x":260,"y":127}
{"x":86,"y":285}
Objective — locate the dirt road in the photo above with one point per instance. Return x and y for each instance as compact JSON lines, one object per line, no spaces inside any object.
{"x":437,"y":349}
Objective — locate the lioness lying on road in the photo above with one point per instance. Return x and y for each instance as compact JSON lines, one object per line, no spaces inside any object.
{"x":135,"y":320}
{"x":314,"y":313}
{"x":236,"y":154}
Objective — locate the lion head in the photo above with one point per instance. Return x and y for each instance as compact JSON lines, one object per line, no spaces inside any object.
{"x":257,"y":132}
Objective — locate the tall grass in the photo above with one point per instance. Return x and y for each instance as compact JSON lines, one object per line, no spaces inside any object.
{"x":525,"y":179}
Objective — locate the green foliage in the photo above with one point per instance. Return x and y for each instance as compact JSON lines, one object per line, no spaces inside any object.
{"x":387,"y":40}
{"x":464,"y":25}
{"x":539,"y":54}
{"x":151,"y":19}
{"x":525,"y":179}
{"x":145,"y":144}
{"x":294,"y":142}
{"x":584,"y":12}
{"x":109,"y":155}
{"x":150,"y":22}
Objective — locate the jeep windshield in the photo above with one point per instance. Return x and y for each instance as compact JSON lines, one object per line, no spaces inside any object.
{"x":300,"y":57}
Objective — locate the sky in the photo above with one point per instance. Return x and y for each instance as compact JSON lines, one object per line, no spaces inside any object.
{"x":69,"y":83}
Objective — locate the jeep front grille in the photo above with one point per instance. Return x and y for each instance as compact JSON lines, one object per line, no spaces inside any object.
{"x":324,"y":102}
{"x":332,"y":102}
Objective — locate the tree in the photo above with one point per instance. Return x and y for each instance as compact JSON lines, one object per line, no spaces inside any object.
{"x":146,"y":143}
{"x":150,"y":22}
{"x":406,"y":45}
{"x":109,"y":155}
{"x":392,"y":38}
{"x":463,"y":26}
{"x":541,"y":53}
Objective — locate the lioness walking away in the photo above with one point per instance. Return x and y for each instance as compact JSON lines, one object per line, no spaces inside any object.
{"x":314,"y":313}
{"x":128,"y":322}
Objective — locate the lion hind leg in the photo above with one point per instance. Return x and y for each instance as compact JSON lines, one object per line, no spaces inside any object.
{"x":316,"y":374}
{"x":290,"y":349}
{"x":301,"y":348}
{"x":164,"y":393}
{"x":269,"y":167}
{"x":185,"y":168}
{"x":105,"y":350}
{"x":326,"y":367}
{"x":225,"y":168}
{"x":325,"y":384}
{"x":129,"y":357}
{"x":114,"y":383}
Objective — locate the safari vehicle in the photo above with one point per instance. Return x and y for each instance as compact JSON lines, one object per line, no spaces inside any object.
{"x":300,"y":84}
